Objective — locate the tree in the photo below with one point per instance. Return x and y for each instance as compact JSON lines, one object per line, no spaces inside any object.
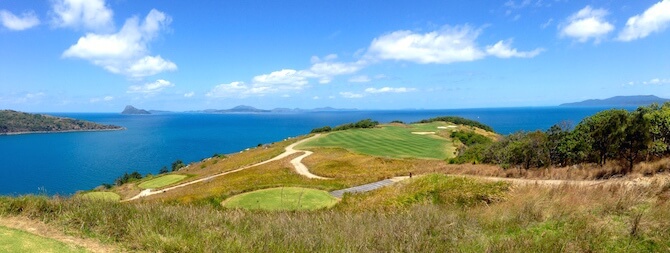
{"x":178,"y":164}
{"x":163,"y":170}
{"x":604,"y":131}
{"x":636,"y":140}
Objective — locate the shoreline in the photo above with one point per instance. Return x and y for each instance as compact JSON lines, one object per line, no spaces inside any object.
{"x":63,"y":131}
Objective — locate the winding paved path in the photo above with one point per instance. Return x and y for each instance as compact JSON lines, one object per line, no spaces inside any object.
{"x":289,"y":150}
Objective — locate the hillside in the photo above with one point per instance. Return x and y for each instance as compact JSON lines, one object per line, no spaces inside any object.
{"x":620,"y":101}
{"x":13,"y":122}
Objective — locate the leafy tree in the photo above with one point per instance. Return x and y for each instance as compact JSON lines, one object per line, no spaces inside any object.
{"x":604,"y":131}
{"x":637,"y":138}
{"x":178,"y":164}
{"x":163,"y":170}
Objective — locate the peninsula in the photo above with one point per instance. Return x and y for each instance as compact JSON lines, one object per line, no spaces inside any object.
{"x":13,"y":122}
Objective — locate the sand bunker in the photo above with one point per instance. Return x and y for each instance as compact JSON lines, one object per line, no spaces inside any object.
{"x":423,"y":133}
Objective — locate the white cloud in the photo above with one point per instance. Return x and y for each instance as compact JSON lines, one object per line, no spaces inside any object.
{"x":654,"y":81}
{"x":106,"y":99}
{"x":450,"y":44}
{"x":389,"y":90}
{"x":284,"y":76}
{"x":503,"y":49}
{"x":150,"y":65}
{"x":316,"y":97}
{"x":351,"y":95}
{"x":586,"y":24}
{"x":325,"y":71}
{"x":125,"y":52}
{"x":25,"y":21}
{"x":150,"y":88}
{"x":654,"y":19}
{"x":89,"y":14}
{"x":228,"y":90}
{"x":360,"y":79}
{"x":189,"y":94}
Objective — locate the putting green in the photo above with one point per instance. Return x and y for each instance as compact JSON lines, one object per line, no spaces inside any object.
{"x":102,"y":196}
{"x":413,"y":141}
{"x":284,"y":198}
{"x":161,"y":181}
{"x":12,"y":240}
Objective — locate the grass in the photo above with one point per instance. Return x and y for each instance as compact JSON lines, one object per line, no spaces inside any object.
{"x":284,"y":198}
{"x":102,"y":196}
{"x":12,"y":240}
{"x":605,"y":218}
{"x":161,"y":181}
{"x":390,"y":141}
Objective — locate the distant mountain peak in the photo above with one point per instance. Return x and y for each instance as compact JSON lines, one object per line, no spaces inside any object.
{"x":132,"y":110}
{"x":640,"y":100}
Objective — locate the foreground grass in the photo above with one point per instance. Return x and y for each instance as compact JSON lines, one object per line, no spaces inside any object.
{"x":161,"y":181}
{"x":12,"y":240}
{"x":489,"y":217}
{"x":283,"y":198}
{"x":390,"y":141}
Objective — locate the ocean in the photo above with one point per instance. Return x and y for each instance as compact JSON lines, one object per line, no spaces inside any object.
{"x":64,"y":163}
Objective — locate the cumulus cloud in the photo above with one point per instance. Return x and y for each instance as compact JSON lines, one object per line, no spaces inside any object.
{"x":586,"y":24}
{"x":91,"y":15}
{"x":503,"y":49}
{"x":233,"y":89}
{"x":284,"y":76}
{"x":25,"y":21}
{"x":654,"y":19}
{"x":150,"y":88}
{"x":389,"y":90}
{"x":450,"y":44}
{"x":189,"y":94}
{"x":126,"y":52}
{"x":347,"y":94}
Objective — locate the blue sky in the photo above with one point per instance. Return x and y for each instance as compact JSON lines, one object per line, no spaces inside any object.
{"x":100,"y":55}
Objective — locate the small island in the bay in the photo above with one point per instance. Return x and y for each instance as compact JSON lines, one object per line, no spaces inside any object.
{"x":13,"y":122}
{"x":132,"y":110}
{"x":643,"y":100}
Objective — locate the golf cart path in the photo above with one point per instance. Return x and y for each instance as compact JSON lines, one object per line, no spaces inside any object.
{"x":289,"y":150}
{"x":517,"y":181}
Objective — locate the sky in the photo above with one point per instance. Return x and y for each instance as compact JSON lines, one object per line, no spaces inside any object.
{"x":101,"y":55}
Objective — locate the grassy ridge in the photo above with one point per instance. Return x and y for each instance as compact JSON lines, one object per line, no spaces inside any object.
{"x":606,"y":218}
{"x":389,"y":141}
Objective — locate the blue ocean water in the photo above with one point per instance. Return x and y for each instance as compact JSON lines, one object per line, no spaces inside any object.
{"x":63,"y":163}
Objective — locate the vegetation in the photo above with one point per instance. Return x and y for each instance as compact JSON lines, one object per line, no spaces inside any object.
{"x":366,"y":123}
{"x":283,"y":198}
{"x":177,"y":165}
{"x":388,"y":141}
{"x":458,"y":121}
{"x":12,"y":240}
{"x":423,"y":215}
{"x":134,"y":176}
{"x":611,"y":135}
{"x":161,"y":181}
{"x":20,"y":122}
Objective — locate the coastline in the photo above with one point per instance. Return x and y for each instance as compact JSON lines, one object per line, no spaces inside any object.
{"x":63,"y":131}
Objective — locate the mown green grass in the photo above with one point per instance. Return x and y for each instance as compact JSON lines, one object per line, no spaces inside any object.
{"x":389,"y":141}
{"x":12,"y":240}
{"x":102,"y":196}
{"x":161,"y":181}
{"x":283,"y":198}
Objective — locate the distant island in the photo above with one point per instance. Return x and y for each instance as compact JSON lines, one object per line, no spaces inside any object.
{"x":13,"y":122}
{"x":621,"y":101}
{"x":132,"y":110}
